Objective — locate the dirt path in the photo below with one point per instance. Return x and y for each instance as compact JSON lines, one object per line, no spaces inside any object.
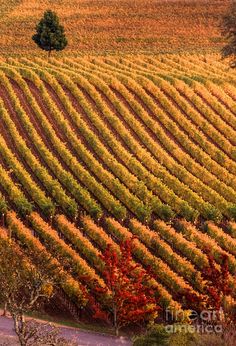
{"x":83,"y":338}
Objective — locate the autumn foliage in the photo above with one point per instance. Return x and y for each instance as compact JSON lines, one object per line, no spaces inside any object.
{"x":216,"y":287}
{"x":131,"y":294}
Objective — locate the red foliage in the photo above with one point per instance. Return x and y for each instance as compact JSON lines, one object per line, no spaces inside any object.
{"x":131,"y":294}
{"x":216,"y":286}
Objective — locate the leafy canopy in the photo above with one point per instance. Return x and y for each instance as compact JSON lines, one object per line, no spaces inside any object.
{"x":49,"y":33}
{"x":131,"y":288}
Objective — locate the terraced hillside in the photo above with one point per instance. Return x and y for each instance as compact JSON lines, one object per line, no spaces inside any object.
{"x":96,"y":150}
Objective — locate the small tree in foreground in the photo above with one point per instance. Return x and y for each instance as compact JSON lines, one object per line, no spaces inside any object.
{"x":228,"y":30}
{"x":23,"y":285}
{"x":50,"y":34}
{"x":216,"y":299}
{"x":38,"y":334}
{"x":129,"y":287}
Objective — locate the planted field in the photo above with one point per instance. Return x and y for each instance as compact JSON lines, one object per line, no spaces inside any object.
{"x":115,"y":25}
{"x":98,"y":150}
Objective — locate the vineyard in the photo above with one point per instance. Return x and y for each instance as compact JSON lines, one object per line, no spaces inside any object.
{"x":117,"y":25}
{"x":98,"y":150}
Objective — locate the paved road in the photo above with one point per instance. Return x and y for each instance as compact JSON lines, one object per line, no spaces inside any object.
{"x":83,"y":338}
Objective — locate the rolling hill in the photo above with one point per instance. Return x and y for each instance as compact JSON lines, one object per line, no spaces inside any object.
{"x":96,"y":150}
{"x":116,"y":25}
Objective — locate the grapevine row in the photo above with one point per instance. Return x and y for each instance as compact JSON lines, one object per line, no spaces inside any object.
{"x":174,"y":282}
{"x":229,"y":194}
{"x":24,"y":235}
{"x":24,"y":177}
{"x":161,"y":248}
{"x":66,"y":178}
{"x":100,"y":237}
{"x":184,"y":191}
{"x":169,"y":89}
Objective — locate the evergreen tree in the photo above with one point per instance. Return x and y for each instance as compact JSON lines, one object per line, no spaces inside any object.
{"x":228,"y":30}
{"x":50,"y":34}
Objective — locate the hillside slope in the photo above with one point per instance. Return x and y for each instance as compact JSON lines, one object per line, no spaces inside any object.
{"x":127,"y":25}
{"x":121,"y":136}
{"x":96,"y":150}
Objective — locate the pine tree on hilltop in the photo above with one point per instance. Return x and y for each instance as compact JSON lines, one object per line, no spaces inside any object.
{"x":50,"y":34}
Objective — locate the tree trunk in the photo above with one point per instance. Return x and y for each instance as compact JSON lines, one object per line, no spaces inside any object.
{"x":115,"y":321}
{"x":5,"y":310}
{"x":19,"y":327}
{"x":22,"y":341}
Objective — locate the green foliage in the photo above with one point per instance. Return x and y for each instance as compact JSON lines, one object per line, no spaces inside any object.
{"x":183,"y":338}
{"x":232,"y":211}
{"x":23,"y":206}
{"x":49,"y":33}
{"x":212,"y":213}
{"x":189,"y":213}
{"x":165,"y":212}
{"x":48,"y":208}
{"x":156,"y":336}
{"x":231,"y":230}
{"x":143,"y":212}
{"x":72,"y":210}
{"x":3,"y":205}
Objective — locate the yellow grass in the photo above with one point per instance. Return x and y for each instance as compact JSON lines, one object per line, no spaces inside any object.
{"x":116,"y":25}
